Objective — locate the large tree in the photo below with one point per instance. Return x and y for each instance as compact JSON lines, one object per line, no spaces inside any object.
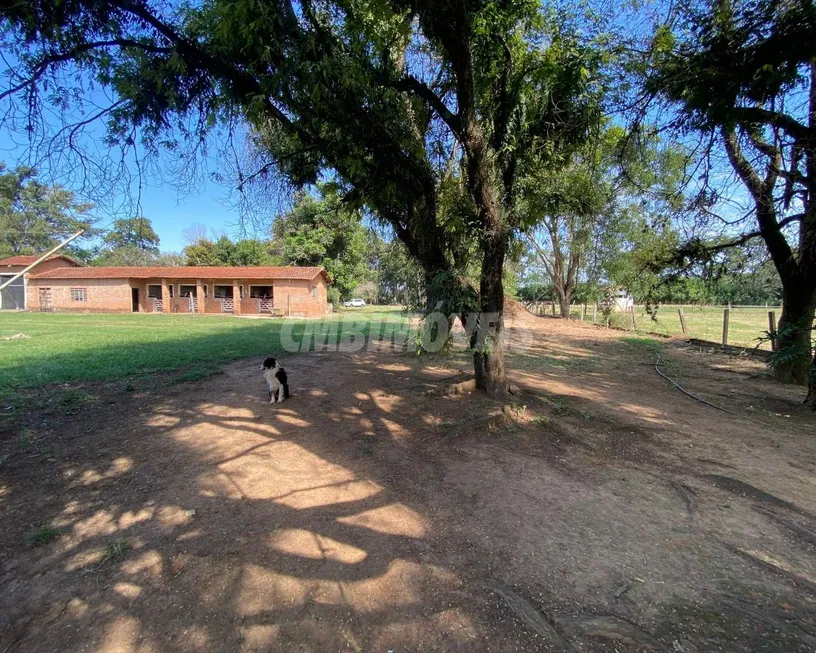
{"x":224,"y":251}
{"x":744,"y":73}
{"x":35,"y":216}
{"x":137,"y":233}
{"x":379,"y":93}
{"x":614,"y":200}
{"x":323,"y":231}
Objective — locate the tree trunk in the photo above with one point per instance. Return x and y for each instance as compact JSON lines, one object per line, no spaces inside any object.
{"x":795,"y":329}
{"x":564,"y":300}
{"x":488,"y":356}
{"x":453,"y":28}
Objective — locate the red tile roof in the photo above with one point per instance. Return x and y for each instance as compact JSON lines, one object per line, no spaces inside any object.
{"x":184,"y":272}
{"x":28,"y":260}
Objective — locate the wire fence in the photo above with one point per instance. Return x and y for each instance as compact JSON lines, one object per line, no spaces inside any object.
{"x":741,"y":326}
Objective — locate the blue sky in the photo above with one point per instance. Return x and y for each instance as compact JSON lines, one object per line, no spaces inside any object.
{"x":170,"y":209}
{"x":171,"y":212}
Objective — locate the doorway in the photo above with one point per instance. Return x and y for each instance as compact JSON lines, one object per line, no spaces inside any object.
{"x":46,"y":304}
{"x":134,"y":299}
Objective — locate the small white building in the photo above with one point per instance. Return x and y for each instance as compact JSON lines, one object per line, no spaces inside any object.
{"x":623,"y":301}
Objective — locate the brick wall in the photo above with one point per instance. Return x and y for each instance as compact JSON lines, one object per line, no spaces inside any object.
{"x":180,"y":305}
{"x":212,"y":305}
{"x":295,"y":297}
{"x":114,"y":295}
{"x":103,"y":295}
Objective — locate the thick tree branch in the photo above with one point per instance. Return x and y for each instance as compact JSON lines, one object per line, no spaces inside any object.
{"x":424,"y":92}
{"x":769,"y":227}
{"x":758,"y":115}
{"x":753,"y":234}
{"x":54,"y":58}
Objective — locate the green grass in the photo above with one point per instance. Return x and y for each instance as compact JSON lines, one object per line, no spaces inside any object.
{"x":643,"y":343}
{"x":42,"y":535}
{"x":115,"y":551}
{"x":745,"y":327}
{"x":73,"y":348}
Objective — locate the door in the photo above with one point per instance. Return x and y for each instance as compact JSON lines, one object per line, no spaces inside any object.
{"x":13,"y":295}
{"x":45,"y":300}
{"x":134,"y":298}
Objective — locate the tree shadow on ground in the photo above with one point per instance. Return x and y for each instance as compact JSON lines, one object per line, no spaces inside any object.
{"x":323,"y":523}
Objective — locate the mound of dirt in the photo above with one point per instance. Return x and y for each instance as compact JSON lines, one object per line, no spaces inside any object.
{"x":514,"y":308}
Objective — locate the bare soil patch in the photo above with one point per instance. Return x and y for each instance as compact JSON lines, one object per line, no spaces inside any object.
{"x":375,"y":511}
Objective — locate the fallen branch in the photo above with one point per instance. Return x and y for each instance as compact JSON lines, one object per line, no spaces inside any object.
{"x":779,"y":567}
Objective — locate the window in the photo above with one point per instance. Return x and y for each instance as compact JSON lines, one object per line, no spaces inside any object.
{"x":222,"y":291}
{"x":260,"y":292}
{"x":314,"y":292}
{"x":172,"y":294}
{"x":79,"y":294}
{"x":154,"y":291}
{"x":187,"y":291}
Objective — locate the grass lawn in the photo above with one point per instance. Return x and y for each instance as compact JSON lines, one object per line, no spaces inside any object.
{"x":69,"y":348}
{"x":745,"y":325}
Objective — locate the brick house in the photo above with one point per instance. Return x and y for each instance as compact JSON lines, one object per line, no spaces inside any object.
{"x":14,"y":296}
{"x":282,"y":291}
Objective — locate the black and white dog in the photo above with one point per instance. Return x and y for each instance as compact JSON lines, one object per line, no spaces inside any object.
{"x":276,"y":380}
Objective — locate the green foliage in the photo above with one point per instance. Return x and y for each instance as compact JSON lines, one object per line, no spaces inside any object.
{"x":790,"y":348}
{"x":604,"y":218}
{"x":324,"y":231}
{"x":453,"y":295}
{"x":224,"y":252}
{"x":42,"y":535}
{"x":398,"y":277}
{"x":333,"y":296}
{"x":34,"y":217}
{"x":728,"y":56}
{"x":136,"y":256}
{"x":115,"y":551}
{"x":132,"y":232}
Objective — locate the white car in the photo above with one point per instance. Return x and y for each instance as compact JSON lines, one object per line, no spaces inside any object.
{"x":354,"y":303}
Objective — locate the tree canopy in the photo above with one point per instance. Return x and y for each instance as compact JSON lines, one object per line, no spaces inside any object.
{"x":132,"y":232}
{"x":381,"y":94}
{"x":744,"y":74}
{"x":325,"y":232}
{"x":34,"y":216}
{"x":462,"y":127}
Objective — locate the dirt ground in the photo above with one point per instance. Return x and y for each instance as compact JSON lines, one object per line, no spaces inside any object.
{"x":375,"y":511}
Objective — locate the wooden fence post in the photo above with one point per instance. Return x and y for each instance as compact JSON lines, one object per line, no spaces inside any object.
{"x":583,"y":312}
{"x":634,"y":321}
{"x":726,"y":312}
{"x":682,"y":320}
{"x":595,"y":313}
{"x":553,"y":307}
{"x":772,"y":329}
